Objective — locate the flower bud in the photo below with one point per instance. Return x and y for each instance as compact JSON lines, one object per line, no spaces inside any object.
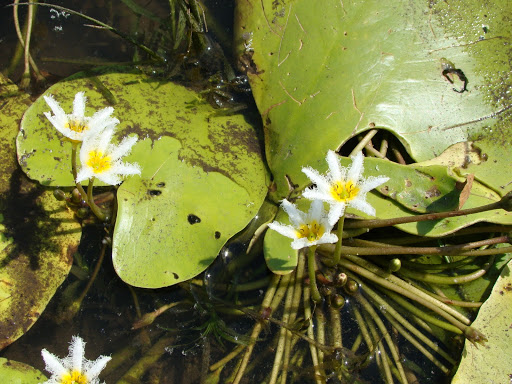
{"x":59,"y":194}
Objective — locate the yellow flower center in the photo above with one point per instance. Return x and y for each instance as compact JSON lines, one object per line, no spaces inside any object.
{"x":74,"y":377}
{"x":344,"y":191}
{"x":98,"y":161}
{"x":312,"y":231}
{"x":77,"y":125}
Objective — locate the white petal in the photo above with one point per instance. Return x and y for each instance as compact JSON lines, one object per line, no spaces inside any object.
{"x":301,"y":243}
{"x":361,"y":205}
{"x":96,"y":367}
{"x":372,"y":182}
{"x":327,"y":238}
{"x":285,"y":230}
{"x":316,"y":210}
{"x":84,"y":174}
{"x":58,"y":122}
{"x":337,"y":210}
{"x":53,"y":363}
{"x":123,"y":148}
{"x":334,"y":165}
{"x":55,"y":106}
{"x":110,"y":178}
{"x":76,"y":351}
{"x":79,"y":105}
{"x":296,"y":216}
{"x":104,"y":139}
{"x":321,"y":181}
{"x":101,"y":119}
{"x":356,"y":169}
{"x":315,"y":194}
{"x":127,"y":169}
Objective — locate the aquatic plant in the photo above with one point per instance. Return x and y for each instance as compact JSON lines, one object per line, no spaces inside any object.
{"x":416,"y":249}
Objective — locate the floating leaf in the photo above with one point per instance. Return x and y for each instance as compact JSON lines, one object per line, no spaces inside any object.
{"x":38,"y":236}
{"x":14,"y":372}
{"x":203,"y":176}
{"x":491,"y":363}
{"x":320,"y":75}
{"x":173,"y":220}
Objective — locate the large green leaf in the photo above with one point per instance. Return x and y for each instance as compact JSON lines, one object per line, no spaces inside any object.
{"x":38,"y":234}
{"x":14,"y":372}
{"x":321,"y":74}
{"x":491,"y":364}
{"x":173,"y":220}
{"x":195,"y":166}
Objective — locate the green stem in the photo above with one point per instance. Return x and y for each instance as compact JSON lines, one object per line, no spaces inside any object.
{"x":312,"y":347}
{"x":394,"y":283}
{"x":268,"y":300}
{"x":315,"y":294}
{"x":339,"y":232}
{"x":446,"y":280}
{"x":382,"y":328}
{"x":98,"y":212}
{"x":74,"y":146}
{"x":389,"y":311}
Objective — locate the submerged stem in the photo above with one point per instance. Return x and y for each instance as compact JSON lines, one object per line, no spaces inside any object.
{"x":315,"y":294}
{"x":98,"y":212}
{"x":74,"y":146}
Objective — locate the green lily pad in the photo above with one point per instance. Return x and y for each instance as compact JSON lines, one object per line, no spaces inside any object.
{"x":173,"y":220}
{"x":320,"y":75}
{"x":14,"y":372}
{"x":38,"y":236}
{"x":491,"y":363}
{"x":203,"y":176}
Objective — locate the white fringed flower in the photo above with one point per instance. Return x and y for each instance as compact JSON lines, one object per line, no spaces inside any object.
{"x":75,"y":126}
{"x":306,"y":229}
{"x":342,"y":186}
{"x":74,"y":368}
{"x":102,"y":159}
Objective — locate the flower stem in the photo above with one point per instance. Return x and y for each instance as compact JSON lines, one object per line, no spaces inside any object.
{"x":98,"y":212}
{"x":315,"y":294}
{"x":339,"y":232}
{"x":74,"y":146}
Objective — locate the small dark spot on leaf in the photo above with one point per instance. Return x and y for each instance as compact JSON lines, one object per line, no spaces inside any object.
{"x":217,"y":234}
{"x":176,"y":276}
{"x":408,"y":183}
{"x":153,"y":219}
{"x":161,"y":184}
{"x":432,"y":192}
{"x":56,"y":158}
{"x":154,"y":192}
{"x":193,"y":219}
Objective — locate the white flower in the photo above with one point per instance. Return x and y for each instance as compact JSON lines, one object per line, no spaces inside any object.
{"x":102,"y":160}
{"x":306,"y":229}
{"x":75,"y":126}
{"x":342,"y":186}
{"x":74,"y":368}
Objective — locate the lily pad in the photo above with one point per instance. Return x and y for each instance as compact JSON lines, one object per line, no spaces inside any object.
{"x":14,"y":372}
{"x":38,"y":235}
{"x":174,"y":219}
{"x":320,"y":75}
{"x":491,"y":363}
